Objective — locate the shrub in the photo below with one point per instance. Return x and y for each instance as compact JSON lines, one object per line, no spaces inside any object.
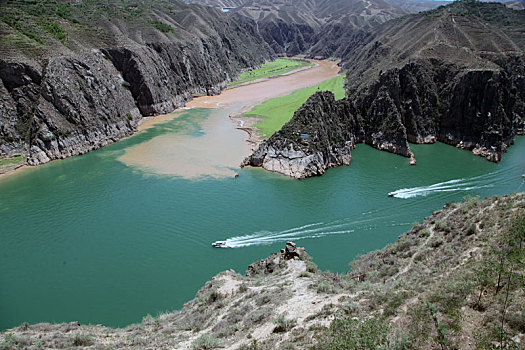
{"x":424,"y":233}
{"x":243,"y":288}
{"x":56,"y":31}
{"x":81,"y":339}
{"x":471,"y":230}
{"x":283,"y":324}
{"x":311,"y":267}
{"x":325,"y":288}
{"x":163,"y":27}
{"x":441,"y":226}
{"x":213,"y":297}
{"x":205,"y":342}
{"x":264,"y":299}
{"x":348,"y":333}
{"x":436,"y":241}
{"x":258,"y":316}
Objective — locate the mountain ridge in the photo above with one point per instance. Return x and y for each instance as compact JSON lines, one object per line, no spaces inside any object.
{"x":432,"y":88}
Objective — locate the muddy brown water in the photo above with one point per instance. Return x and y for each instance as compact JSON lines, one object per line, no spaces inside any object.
{"x":220,"y":146}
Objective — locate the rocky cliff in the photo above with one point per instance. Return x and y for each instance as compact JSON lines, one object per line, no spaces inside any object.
{"x":455,"y":281}
{"x":458,"y":80}
{"x":80,"y":86}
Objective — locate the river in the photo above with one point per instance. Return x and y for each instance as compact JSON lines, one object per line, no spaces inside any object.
{"x":102,"y":239}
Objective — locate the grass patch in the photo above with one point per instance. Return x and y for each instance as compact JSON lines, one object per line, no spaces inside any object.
{"x":163,"y":27}
{"x":271,"y":69}
{"x":277,"y":111}
{"x":8,"y":164}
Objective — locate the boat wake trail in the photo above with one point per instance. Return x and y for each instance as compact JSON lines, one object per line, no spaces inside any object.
{"x":456,"y":185}
{"x":315,"y":230}
{"x":307,"y":231}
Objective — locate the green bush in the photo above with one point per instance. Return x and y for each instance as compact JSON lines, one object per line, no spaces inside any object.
{"x":163,"y":27}
{"x":350,"y":334}
{"x":311,"y":267}
{"x":56,"y":31}
{"x":205,"y":342}
{"x":471,"y":230}
{"x":81,"y":339}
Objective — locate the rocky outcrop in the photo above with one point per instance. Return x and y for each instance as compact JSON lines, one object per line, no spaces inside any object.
{"x":277,"y":261}
{"x":423,"y":102}
{"x":420,"y":90}
{"x":323,"y":132}
{"x":64,"y":102}
{"x":320,"y":135}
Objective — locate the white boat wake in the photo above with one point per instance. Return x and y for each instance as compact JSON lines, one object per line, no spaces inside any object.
{"x":468,"y":184}
{"x":268,"y":237}
{"x":315,"y":230}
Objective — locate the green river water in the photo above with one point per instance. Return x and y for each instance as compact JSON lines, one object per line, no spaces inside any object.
{"x":91,"y":239}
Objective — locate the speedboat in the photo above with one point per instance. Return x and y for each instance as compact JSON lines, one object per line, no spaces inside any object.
{"x":392,"y":194}
{"x":218,"y":244}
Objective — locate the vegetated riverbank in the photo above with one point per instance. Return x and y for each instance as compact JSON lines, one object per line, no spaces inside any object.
{"x":240,"y":94}
{"x":274,"y":113}
{"x":272,"y":69}
{"x":454,"y":281}
{"x":220,"y":147}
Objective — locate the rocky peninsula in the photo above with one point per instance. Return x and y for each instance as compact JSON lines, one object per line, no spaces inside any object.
{"x":451,"y":88}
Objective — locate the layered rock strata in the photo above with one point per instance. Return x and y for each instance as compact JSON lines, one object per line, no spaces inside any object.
{"x":67,"y":100}
{"x":450,"y":83}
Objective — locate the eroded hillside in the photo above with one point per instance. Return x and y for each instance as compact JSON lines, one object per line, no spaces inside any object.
{"x":77,"y":76}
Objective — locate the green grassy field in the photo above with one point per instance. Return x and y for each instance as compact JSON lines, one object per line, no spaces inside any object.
{"x":8,"y":164}
{"x":271,"y":69}
{"x":277,"y":111}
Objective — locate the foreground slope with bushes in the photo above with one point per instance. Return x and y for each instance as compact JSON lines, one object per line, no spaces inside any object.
{"x":454,"y":281}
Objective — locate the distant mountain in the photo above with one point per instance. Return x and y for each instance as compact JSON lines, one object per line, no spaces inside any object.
{"x":218,"y":3}
{"x":294,"y":26}
{"x":418,"y":5}
{"x":425,"y":5}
